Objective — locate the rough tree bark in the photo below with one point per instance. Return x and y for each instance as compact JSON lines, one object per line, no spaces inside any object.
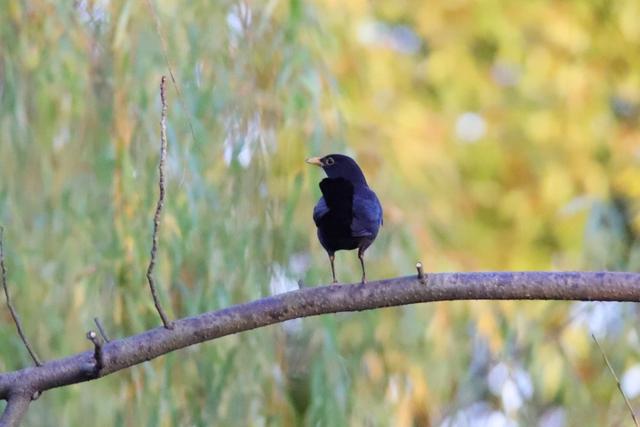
{"x":126,"y":352}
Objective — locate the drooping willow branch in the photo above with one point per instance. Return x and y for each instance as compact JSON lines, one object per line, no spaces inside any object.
{"x":165,"y":52}
{"x":103,"y":333}
{"x":617,"y":380}
{"x":126,"y":352}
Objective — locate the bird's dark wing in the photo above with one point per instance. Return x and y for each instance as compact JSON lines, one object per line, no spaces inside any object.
{"x":335,"y":205}
{"x":337,"y":192}
{"x":320,"y":210}
{"x":367,"y":213}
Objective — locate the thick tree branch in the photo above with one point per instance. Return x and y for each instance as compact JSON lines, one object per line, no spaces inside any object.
{"x":126,"y":352}
{"x":12,"y":310}
{"x":17,"y":406}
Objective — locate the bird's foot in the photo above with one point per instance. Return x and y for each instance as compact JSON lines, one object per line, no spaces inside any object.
{"x":335,"y":282}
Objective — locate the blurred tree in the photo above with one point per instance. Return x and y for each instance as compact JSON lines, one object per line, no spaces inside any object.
{"x":498,"y":134}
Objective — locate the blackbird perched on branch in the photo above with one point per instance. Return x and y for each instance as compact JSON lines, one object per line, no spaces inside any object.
{"x":349,"y":214}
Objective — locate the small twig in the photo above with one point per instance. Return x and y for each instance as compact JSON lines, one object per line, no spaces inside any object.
{"x":105,"y":337}
{"x":420,"y":273}
{"x":165,"y":53}
{"x":12,"y":310}
{"x":97,"y":351}
{"x":156,"y":217}
{"x":613,"y":373}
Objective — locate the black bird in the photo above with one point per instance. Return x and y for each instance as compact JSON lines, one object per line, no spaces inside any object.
{"x":349,"y":214}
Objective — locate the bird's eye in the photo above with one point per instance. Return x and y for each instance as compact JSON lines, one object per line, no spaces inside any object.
{"x":329,"y":161}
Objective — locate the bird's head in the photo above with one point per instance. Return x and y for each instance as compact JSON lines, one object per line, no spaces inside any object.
{"x":339,"y":166}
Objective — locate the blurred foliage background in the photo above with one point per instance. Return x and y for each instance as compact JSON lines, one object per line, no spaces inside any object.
{"x":498,"y":134}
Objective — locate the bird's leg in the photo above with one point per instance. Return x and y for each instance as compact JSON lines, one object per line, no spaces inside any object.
{"x":332,"y":257}
{"x":361,"y":257}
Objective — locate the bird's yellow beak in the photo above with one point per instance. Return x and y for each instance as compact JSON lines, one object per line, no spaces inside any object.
{"x":314,"y":161}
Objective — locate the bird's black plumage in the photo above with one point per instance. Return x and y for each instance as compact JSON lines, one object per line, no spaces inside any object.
{"x":349,"y":214}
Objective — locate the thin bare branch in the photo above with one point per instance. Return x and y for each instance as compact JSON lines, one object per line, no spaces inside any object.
{"x":156,"y":217}
{"x":17,"y":406}
{"x":12,"y":310}
{"x":165,"y":53}
{"x":105,"y":337}
{"x":613,"y":373}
